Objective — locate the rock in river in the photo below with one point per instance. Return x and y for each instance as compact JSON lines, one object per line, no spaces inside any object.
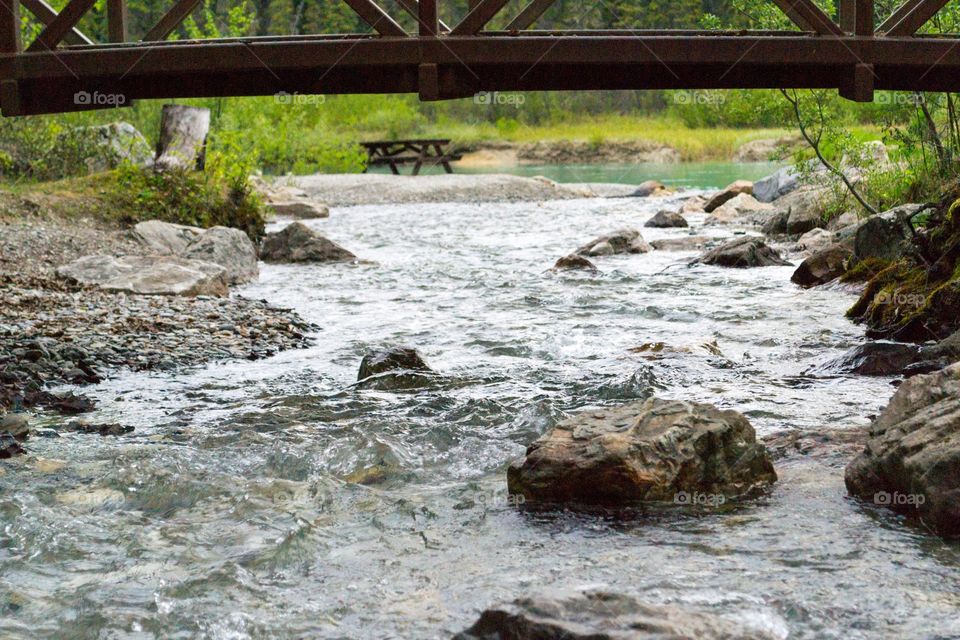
{"x":16,"y":424}
{"x":823,"y":266}
{"x":654,"y":451}
{"x":9,"y":446}
{"x":574,"y":262}
{"x":603,"y":616}
{"x":729,"y":193}
{"x":743,"y":252}
{"x":874,"y":359}
{"x":911,"y":463}
{"x":300,"y":210}
{"x":229,"y":248}
{"x":666,"y":219}
{"x":622,"y":241}
{"x":397,"y":368}
{"x":299,"y":243}
{"x":150,"y":275}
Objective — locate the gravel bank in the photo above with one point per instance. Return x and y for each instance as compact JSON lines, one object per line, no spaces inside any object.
{"x":368,"y":188}
{"x":51,"y":333}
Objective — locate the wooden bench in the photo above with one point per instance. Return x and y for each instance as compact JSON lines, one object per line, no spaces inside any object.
{"x":394,"y":153}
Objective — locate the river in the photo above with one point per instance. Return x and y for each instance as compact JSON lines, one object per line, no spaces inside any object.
{"x":273,"y":499}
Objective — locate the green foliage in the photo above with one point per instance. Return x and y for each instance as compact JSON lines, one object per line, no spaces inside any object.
{"x":197,"y":198}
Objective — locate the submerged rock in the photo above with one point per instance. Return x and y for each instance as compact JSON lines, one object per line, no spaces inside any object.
{"x":9,"y":446}
{"x":602,"y":616}
{"x":299,"y":243}
{"x":911,"y":463}
{"x":393,"y":369}
{"x":874,"y":359}
{"x":109,"y":429}
{"x":574,"y":262}
{"x":654,"y":451}
{"x":622,"y":241}
{"x":728,"y":193}
{"x":666,"y":219}
{"x":16,"y":424}
{"x":743,"y":252}
{"x":154,"y":275}
{"x":685,"y":243}
{"x":823,"y":266}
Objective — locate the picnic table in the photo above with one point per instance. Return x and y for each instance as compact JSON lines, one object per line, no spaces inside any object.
{"x":416,"y":152}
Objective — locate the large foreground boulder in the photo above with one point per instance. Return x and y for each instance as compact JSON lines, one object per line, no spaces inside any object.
{"x":885,"y":236}
{"x":823,"y":266}
{"x":743,"y":252}
{"x":654,"y":451}
{"x":622,"y":241}
{"x":299,"y":243}
{"x":911,"y":463}
{"x":728,"y":193}
{"x":230,"y":248}
{"x":148,"y":275}
{"x":603,"y":616}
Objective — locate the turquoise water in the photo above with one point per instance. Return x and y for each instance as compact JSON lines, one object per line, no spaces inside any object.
{"x":704,"y":175}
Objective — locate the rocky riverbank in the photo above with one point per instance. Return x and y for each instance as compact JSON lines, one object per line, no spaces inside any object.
{"x":54,"y":333}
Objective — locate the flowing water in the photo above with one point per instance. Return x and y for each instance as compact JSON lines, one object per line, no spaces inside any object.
{"x":274,"y":499}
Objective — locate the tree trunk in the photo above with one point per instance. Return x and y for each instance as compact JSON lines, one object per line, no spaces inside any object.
{"x":183,"y":138}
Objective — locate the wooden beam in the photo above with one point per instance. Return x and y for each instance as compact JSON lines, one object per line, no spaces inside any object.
{"x":10,"y":26}
{"x":478,"y":18}
{"x":171,"y":20}
{"x":848,"y":11}
{"x":530,"y":14}
{"x":428,"y":19}
{"x":413,"y":8}
{"x":860,"y":86}
{"x":117,"y":20}
{"x":898,"y":15}
{"x":60,"y":26}
{"x":809,"y":17}
{"x":377,"y":18}
{"x":863,"y":18}
{"x":916,"y":18}
{"x":47,"y":14}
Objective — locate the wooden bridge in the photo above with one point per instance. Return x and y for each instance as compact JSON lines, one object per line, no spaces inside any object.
{"x":62,"y":70}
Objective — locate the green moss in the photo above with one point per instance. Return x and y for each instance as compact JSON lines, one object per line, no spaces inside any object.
{"x":865,"y":270}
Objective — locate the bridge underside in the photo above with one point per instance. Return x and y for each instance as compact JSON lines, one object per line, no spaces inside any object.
{"x":62,"y":70}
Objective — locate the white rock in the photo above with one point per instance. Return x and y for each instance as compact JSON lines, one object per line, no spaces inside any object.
{"x":150,"y":275}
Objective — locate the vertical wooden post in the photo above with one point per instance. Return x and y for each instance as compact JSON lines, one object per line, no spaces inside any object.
{"x":117,"y":20}
{"x":848,"y":14}
{"x":10,"y":26}
{"x":863,"y":24}
{"x":429,"y":21}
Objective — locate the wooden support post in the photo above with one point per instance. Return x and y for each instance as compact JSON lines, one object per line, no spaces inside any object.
{"x":10,"y":26}
{"x":429,"y":82}
{"x":427,"y":17}
{"x":848,"y":10}
{"x":183,"y":137}
{"x":60,"y":26}
{"x":413,"y":8}
{"x":860,"y":87}
{"x":10,"y":98}
{"x":117,"y":20}
{"x":863,"y":22}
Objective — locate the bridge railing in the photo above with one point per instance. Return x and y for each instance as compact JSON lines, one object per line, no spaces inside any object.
{"x":440,"y":60}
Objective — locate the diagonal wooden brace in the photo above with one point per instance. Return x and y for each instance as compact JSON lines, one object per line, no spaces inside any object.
{"x":530,"y":14}
{"x":917,"y":16}
{"x":809,"y":17}
{"x":478,"y":18}
{"x":413,"y":8}
{"x":377,"y":18}
{"x":47,"y":14}
{"x":61,"y":25}
{"x":171,"y":20}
